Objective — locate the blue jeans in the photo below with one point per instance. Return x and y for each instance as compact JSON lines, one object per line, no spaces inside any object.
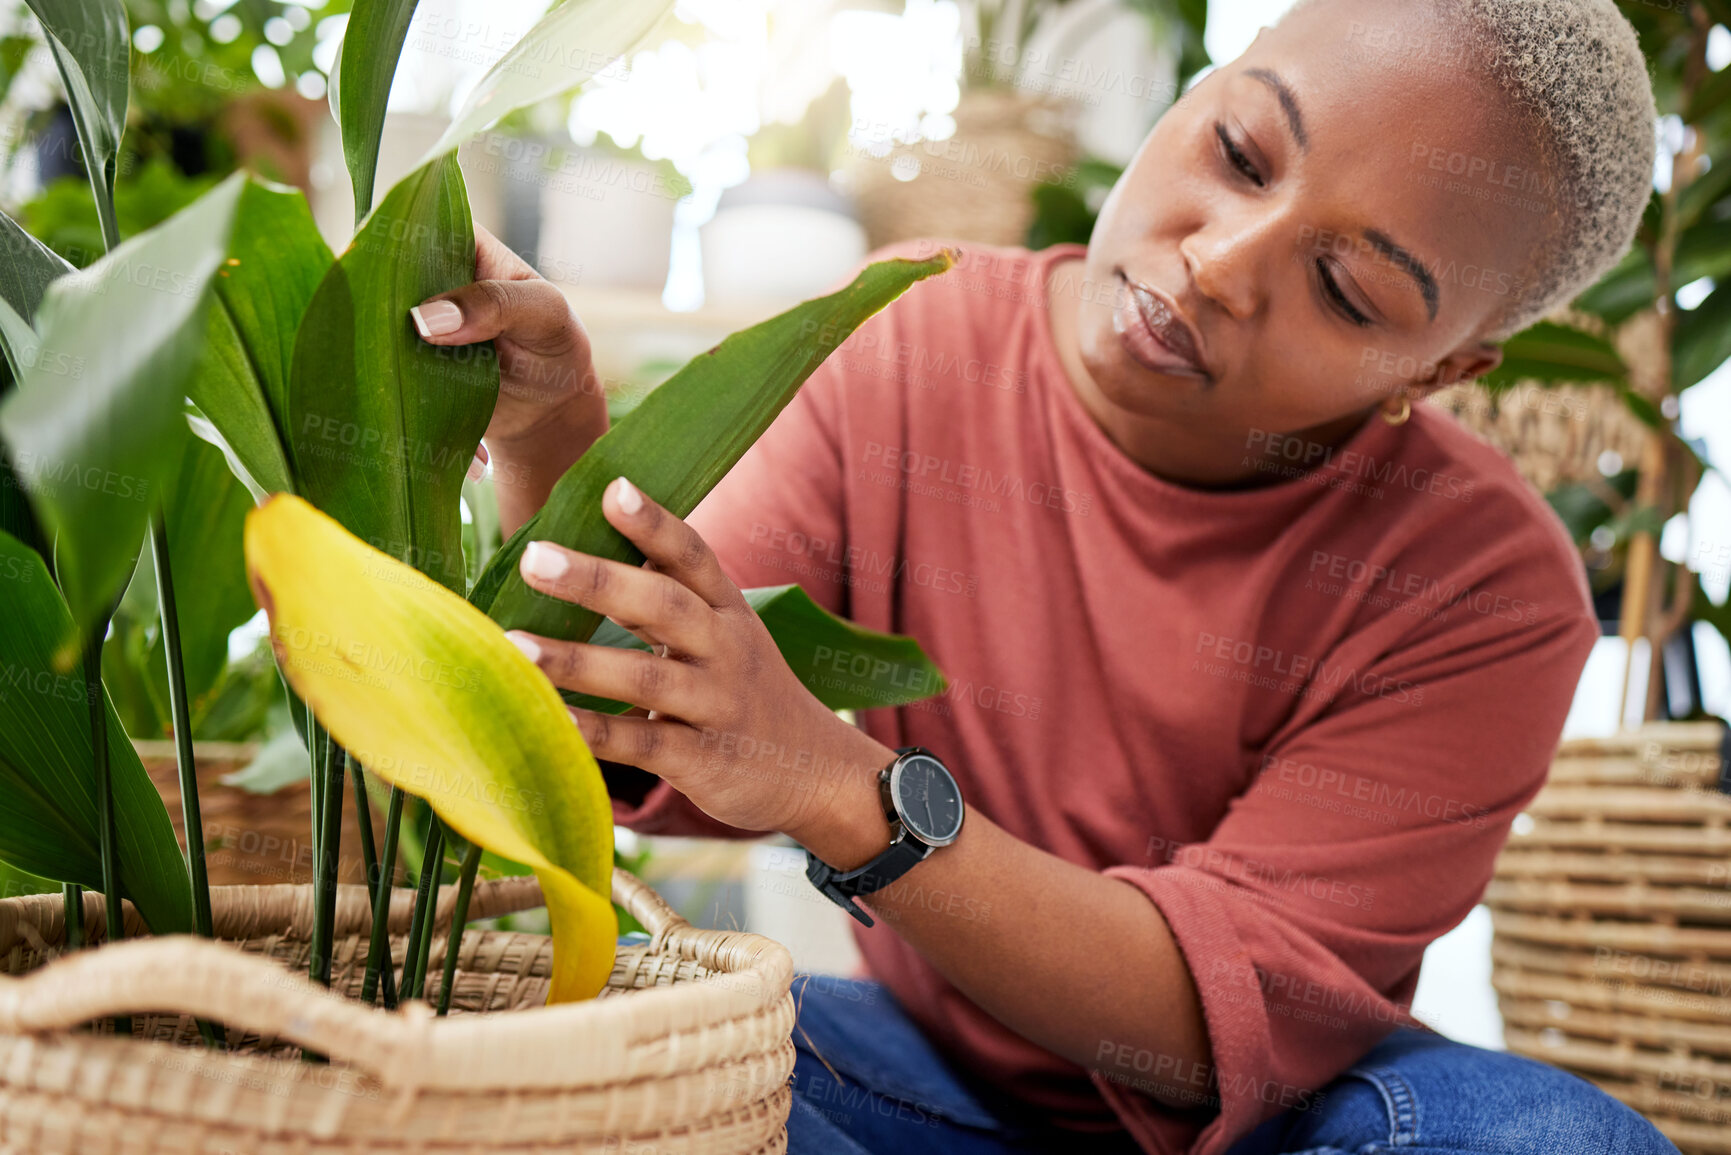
{"x":891,"y":1093}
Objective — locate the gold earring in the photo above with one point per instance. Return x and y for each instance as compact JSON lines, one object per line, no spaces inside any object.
{"x":1399,"y":418}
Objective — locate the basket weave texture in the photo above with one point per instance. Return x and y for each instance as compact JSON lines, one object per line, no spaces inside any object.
{"x":1612,"y":912}
{"x":687,"y":1049}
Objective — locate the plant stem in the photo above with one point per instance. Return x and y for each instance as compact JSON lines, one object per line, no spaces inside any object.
{"x":379,"y":949}
{"x":369,"y":852}
{"x":73,"y":895}
{"x":329,"y":824}
{"x":106,"y":831}
{"x":181,"y":714}
{"x":426,"y":899}
{"x":465,"y":886}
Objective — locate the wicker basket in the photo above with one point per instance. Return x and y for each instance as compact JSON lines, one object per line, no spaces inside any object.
{"x":975,"y":185}
{"x":251,"y":839}
{"x":700,"y":1064}
{"x":1612,"y":913}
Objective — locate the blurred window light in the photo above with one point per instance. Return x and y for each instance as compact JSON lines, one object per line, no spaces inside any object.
{"x":1718,"y":47}
{"x":267,"y":66}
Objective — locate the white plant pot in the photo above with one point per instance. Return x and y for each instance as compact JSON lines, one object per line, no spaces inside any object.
{"x":606,"y":220}
{"x":782,"y":236}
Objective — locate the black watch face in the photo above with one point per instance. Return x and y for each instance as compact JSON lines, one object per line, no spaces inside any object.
{"x":927,"y":798}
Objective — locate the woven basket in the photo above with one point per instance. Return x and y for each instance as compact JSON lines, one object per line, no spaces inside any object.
{"x":251,"y":839}
{"x":1612,"y":911}
{"x":975,"y":185}
{"x":699,"y":1064}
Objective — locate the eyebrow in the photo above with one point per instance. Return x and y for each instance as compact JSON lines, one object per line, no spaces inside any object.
{"x":1408,"y":264}
{"x":1288,"y":104}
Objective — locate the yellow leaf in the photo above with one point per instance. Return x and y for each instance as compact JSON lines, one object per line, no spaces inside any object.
{"x":427,"y":693}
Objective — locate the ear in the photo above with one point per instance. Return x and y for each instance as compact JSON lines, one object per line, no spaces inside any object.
{"x":1462,"y":365}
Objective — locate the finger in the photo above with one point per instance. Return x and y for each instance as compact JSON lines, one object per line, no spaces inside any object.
{"x":496,"y":261}
{"x":531,"y":314}
{"x":632,"y":676}
{"x":658,"y":746}
{"x":676,"y":549}
{"x":657,"y":606}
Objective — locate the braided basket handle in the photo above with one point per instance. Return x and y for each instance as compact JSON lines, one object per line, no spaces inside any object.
{"x":181,"y":974}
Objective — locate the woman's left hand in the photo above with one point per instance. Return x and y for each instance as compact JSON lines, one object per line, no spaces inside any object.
{"x":729,"y":725}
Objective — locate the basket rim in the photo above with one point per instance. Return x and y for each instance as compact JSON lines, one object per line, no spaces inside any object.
{"x":410,"y":1047}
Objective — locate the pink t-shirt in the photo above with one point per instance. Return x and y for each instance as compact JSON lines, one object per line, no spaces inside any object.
{"x":1300,"y":718}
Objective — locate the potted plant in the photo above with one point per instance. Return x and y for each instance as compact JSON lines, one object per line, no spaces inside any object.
{"x":233,"y":323}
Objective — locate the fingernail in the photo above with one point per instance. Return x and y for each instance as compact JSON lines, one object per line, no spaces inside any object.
{"x":481,"y":452}
{"x":626,"y":494}
{"x":477,"y":467}
{"x":436,"y":318}
{"x":541,"y":560}
{"x":524,"y":642}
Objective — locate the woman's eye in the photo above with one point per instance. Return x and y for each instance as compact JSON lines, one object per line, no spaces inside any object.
{"x":1236,"y":155}
{"x":1331,"y":288}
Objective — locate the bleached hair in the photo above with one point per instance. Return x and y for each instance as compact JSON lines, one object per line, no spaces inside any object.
{"x":1579,"y":86}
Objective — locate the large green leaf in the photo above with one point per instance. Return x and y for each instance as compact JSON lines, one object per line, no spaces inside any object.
{"x":371,"y":47}
{"x":1552,"y":352}
{"x":430,"y":696}
{"x":48,"y":825}
{"x":27,"y":268}
{"x":846,"y":667}
{"x":381,"y":425}
{"x":92,"y":47}
{"x":684,"y":438}
{"x":567,"y":46}
{"x":95,"y":427}
{"x":275,"y":263}
{"x":1702,"y":340}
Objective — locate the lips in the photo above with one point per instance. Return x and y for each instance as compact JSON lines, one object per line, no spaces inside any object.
{"x":1157,"y":334}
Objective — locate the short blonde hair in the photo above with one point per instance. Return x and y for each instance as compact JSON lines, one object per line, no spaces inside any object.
{"x":1577,"y":80}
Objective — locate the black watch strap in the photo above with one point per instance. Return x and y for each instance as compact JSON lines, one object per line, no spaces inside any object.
{"x":841,"y":886}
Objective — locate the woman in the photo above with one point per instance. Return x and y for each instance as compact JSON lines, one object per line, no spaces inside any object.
{"x":1251,"y":660}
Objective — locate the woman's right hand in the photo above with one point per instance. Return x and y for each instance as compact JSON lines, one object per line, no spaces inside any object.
{"x":551,"y":406}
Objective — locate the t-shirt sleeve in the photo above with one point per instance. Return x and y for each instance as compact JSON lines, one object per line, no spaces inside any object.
{"x":1370,"y":829}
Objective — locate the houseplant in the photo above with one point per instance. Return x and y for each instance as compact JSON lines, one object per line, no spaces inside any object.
{"x":232,"y":320}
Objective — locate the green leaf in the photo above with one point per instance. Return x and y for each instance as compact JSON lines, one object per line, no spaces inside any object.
{"x":567,"y":46}
{"x":846,"y":667}
{"x":282,"y":762}
{"x":95,"y":427}
{"x":275,"y":263}
{"x":1556,"y":353}
{"x":684,"y":438}
{"x":381,"y":425}
{"x":429,"y":695}
{"x":92,"y":47}
{"x":48,"y":825}
{"x":1702,"y":339}
{"x":371,"y":47}
{"x":27,"y":268}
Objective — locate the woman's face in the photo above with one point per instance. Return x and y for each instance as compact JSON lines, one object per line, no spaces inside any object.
{"x":1332,"y":218}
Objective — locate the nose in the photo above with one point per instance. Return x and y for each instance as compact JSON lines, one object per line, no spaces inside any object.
{"x":1230,"y":257}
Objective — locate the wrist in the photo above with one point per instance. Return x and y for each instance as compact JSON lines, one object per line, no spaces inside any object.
{"x":846,"y":827}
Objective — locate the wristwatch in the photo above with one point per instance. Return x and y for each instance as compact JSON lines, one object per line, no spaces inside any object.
{"x":924,"y":808}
